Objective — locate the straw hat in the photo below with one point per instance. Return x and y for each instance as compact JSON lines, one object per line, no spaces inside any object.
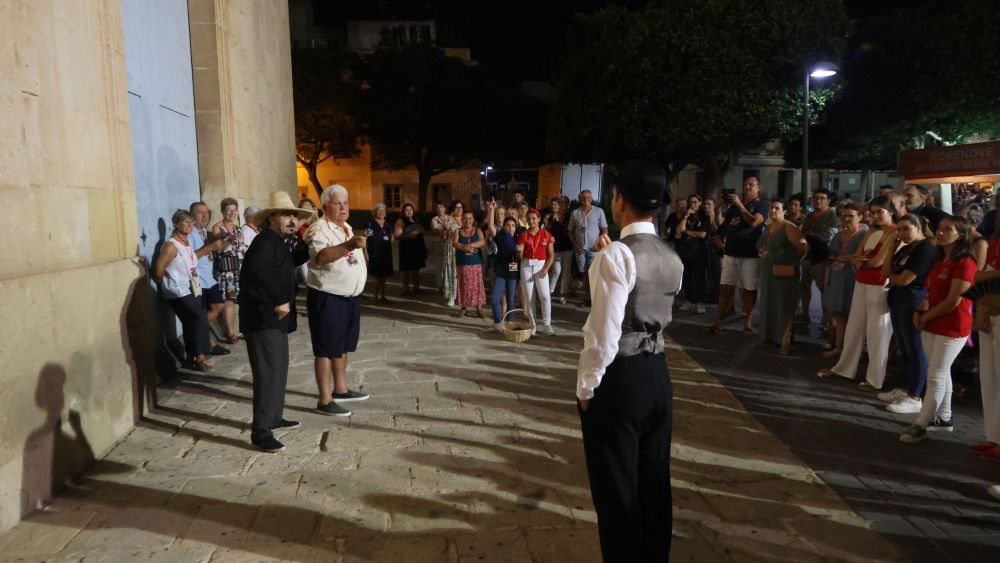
{"x":279,"y":202}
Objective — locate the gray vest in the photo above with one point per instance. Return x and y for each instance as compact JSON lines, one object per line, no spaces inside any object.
{"x":650,"y":304}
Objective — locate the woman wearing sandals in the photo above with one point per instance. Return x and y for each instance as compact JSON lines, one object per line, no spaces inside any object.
{"x":468,"y":242}
{"x":946,"y":324}
{"x":987,"y":322}
{"x":840,"y":287}
{"x":227,"y":264}
{"x":869,"y":315}
{"x":412,"y":250}
{"x":907,"y":273}
{"x":781,"y":247}
{"x":177,"y":270}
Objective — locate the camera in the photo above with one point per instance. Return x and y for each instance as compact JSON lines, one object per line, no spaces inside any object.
{"x":728,"y":192}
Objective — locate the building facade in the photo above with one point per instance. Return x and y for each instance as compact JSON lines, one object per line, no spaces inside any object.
{"x":116,"y":112}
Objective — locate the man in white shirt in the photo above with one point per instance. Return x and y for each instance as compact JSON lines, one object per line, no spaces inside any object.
{"x":337,"y":275}
{"x":248,"y":229}
{"x":623,"y":386}
{"x":587,"y":225}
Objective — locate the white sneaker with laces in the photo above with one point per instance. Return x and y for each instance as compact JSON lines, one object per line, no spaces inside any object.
{"x":547,"y":330}
{"x":906,"y":405}
{"x":892,"y":396}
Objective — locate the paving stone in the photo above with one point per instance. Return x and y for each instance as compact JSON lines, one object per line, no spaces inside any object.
{"x":427,"y":549}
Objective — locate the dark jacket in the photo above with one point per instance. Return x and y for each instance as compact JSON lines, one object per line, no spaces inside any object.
{"x":932,"y":214}
{"x":267,"y":279}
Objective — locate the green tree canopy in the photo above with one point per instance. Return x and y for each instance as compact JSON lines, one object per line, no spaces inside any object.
{"x":688,"y":81}
{"x":424,"y":109}
{"x":325,"y":97}
{"x":923,"y":66}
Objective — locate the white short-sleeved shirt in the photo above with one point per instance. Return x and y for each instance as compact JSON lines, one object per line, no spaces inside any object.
{"x":345,"y":276}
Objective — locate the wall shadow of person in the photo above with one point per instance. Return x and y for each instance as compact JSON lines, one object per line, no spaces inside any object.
{"x":52,"y":457}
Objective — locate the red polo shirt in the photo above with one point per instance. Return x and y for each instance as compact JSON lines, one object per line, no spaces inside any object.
{"x":536,"y":246}
{"x":956,"y":323}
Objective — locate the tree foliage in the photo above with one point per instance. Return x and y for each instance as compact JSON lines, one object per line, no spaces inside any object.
{"x":424,"y":109}
{"x":688,"y":81}
{"x":920,"y":67}
{"x":325,"y":97}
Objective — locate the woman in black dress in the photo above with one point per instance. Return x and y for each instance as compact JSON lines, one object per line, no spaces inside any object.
{"x":379,"y":251}
{"x":412,"y":250}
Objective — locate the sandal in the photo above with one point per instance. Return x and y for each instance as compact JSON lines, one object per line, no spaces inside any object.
{"x":831,"y":353}
{"x":233,"y":338}
{"x":202,"y":366}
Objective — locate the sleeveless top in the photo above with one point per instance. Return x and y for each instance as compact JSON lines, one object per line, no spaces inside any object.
{"x":177,"y":276}
{"x":872,"y":276}
{"x":464,"y":259}
{"x":649,"y":307}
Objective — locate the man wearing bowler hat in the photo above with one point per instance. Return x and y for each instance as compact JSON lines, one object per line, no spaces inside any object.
{"x":267,"y":314}
{"x":623,"y":386}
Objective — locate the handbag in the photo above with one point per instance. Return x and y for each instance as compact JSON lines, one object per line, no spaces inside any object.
{"x":783,"y":270}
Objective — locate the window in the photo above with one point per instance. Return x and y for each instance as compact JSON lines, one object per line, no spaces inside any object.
{"x":441,"y":192}
{"x":392,"y":196}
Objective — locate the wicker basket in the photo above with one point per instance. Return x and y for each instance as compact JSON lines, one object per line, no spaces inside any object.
{"x":516,"y":331}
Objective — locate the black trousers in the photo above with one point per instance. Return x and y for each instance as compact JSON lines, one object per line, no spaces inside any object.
{"x":695,"y":277}
{"x":194,"y":324}
{"x":268,"y":351}
{"x":626,"y":438}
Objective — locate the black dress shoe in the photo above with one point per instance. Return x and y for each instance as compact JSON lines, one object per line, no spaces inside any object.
{"x":287,"y":425}
{"x":269,"y":444}
{"x":220,"y":351}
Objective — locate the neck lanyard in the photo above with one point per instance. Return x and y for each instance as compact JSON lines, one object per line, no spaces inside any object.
{"x":533,"y":240}
{"x":187,"y":247}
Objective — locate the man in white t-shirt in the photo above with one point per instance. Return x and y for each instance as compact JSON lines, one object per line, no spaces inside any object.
{"x":337,"y":275}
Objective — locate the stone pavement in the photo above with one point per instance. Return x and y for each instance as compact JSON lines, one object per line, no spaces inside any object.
{"x":469,"y":450}
{"x":929,"y":499}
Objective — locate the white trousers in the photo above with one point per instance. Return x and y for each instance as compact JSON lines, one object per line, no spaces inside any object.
{"x":868,"y":318}
{"x":989,"y":376}
{"x":941,"y":353}
{"x":532,"y":285}
{"x":560,"y":272}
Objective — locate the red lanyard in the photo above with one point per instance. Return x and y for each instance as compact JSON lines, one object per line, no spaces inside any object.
{"x":194,"y":261}
{"x":533,"y":240}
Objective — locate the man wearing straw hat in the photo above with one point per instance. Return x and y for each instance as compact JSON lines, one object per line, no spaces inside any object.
{"x":267,"y":314}
{"x":623,"y":386}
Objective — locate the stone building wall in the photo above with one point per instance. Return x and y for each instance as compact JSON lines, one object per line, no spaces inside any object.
{"x":244,"y":116}
{"x":67,"y":270}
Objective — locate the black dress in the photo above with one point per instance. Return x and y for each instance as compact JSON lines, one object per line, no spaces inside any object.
{"x":380,"y":250}
{"x":412,"y":251}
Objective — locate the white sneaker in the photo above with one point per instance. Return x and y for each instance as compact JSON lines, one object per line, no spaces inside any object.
{"x":700,"y":308}
{"x":892,"y":396}
{"x":498,"y":327}
{"x":547,"y":330}
{"x":906,"y":405}
{"x":685,"y":307}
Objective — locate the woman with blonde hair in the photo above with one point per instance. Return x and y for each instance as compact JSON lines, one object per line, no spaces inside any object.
{"x":227,"y":263}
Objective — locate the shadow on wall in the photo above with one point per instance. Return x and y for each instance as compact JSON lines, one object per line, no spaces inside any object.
{"x":52,"y":457}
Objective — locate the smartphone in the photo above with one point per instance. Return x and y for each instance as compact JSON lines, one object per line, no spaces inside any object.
{"x":728,"y":192}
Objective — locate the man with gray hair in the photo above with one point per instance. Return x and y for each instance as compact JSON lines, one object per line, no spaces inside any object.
{"x":337,"y":276}
{"x":586,"y":224}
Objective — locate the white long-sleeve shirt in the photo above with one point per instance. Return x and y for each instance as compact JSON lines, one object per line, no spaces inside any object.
{"x":612,"y":278}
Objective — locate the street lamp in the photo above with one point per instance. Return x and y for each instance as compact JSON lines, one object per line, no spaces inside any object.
{"x":485,"y":173}
{"x":819,"y":70}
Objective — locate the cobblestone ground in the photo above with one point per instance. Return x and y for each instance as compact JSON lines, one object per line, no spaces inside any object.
{"x":929,"y":499}
{"x":469,"y":450}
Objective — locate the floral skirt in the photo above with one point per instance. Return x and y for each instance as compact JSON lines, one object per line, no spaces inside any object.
{"x":229,"y":284}
{"x":471,"y":292}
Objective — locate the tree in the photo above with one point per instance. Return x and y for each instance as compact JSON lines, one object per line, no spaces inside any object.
{"x":688,"y":81}
{"x":325,"y":97}
{"x":921,"y":72}
{"x":424,"y":109}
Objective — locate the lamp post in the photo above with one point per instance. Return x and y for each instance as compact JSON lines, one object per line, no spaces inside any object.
{"x":819,"y":70}
{"x":485,"y":173}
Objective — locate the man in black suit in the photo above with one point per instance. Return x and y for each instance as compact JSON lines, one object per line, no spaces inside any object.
{"x":267,"y":314}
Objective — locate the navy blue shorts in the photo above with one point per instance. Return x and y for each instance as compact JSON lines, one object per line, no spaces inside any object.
{"x":334,"y":323}
{"x":212,"y":296}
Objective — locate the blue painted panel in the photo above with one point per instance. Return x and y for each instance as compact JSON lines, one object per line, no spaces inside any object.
{"x":161,"y":109}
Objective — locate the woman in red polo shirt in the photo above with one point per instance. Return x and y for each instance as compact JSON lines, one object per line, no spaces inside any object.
{"x":946,"y":324}
{"x":537,"y":249}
